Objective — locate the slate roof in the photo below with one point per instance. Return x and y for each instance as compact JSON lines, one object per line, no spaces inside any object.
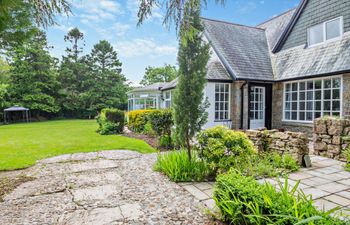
{"x":170,"y":85}
{"x":243,"y":50}
{"x":152,"y":87}
{"x":216,"y":71}
{"x":324,"y":59}
{"x":275,"y":27}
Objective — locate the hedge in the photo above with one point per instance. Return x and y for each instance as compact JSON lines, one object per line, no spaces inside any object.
{"x":111,"y":121}
{"x":137,"y":119}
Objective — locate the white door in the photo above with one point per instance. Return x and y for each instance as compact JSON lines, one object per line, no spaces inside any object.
{"x":257,"y":107}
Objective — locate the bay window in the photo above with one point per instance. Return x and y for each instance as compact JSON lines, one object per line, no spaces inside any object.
{"x":222,"y":101}
{"x":311,"y":99}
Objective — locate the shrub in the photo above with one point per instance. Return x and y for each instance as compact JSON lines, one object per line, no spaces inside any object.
{"x":148,"y":129}
{"x":111,"y":121}
{"x":221,"y":147}
{"x":177,"y":166}
{"x":137,"y":120}
{"x":242,"y":200}
{"x":165,"y":141}
{"x":347,"y":155}
{"x":162,"y":122}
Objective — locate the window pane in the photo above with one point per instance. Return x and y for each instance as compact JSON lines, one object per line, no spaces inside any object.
{"x":318,"y":105}
{"x":309,"y":105}
{"x":310,"y":85}
{"x":317,"y":115}
{"x":327,"y":105}
{"x":336,"y":114}
{"x":294,"y":105}
{"x":318,"y":95}
{"x":294,"y":86}
{"x":287,"y":96}
{"x":301,"y":105}
{"x":310,"y":95}
{"x":302,"y":95}
{"x":326,"y":113}
{"x":336,"y":105}
{"x":318,"y":84}
{"x":217,"y":87}
{"x":222,"y":87}
{"x":295,"y":96}
{"x":302,"y":116}
{"x":327,"y":83}
{"x":287,"y":87}
{"x":336,"y":83}
{"x":316,"y":34}
{"x":336,"y":94}
{"x":333,"y":29}
{"x":309,"y":116}
{"x":302,"y":86}
{"x":217,"y":97}
{"x":287,"y":107}
{"x":287,"y":115}
{"x":327,"y":94}
{"x":294,"y":115}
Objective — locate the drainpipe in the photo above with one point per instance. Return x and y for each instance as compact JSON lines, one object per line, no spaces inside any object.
{"x":242,"y":101}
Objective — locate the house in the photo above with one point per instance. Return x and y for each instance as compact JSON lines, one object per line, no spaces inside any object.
{"x":283,"y":73}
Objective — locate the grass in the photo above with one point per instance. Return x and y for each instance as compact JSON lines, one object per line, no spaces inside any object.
{"x":21,"y":145}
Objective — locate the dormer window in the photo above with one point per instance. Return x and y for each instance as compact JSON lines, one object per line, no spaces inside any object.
{"x":327,"y":31}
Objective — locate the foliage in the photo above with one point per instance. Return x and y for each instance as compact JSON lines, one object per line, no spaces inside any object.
{"x":105,"y":84}
{"x":148,"y":129}
{"x":137,"y":120}
{"x":161,"y":121}
{"x":165,"y":141}
{"x":221,"y":147}
{"x":159,"y":74}
{"x":18,"y":18}
{"x":179,"y":168}
{"x":20,"y":147}
{"x":242,"y":200}
{"x":347,"y":155}
{"x":189,"y":105}
{"x":111,"y":121}
{"x":33,"y":80}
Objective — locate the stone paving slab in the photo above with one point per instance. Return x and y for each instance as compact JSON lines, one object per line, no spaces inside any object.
{"x":326,"y":181}
{"x":110,"y":187}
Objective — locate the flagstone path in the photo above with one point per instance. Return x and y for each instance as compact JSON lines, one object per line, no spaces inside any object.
{"x":109,"y":187}
{"x":326,"y":181}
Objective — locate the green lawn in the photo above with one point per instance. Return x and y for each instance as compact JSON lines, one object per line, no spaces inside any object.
{"x":22,"y":144}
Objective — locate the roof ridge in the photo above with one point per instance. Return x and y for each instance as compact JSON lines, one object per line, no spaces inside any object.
{"x":231,"y":23}
{"x":289,"y":10}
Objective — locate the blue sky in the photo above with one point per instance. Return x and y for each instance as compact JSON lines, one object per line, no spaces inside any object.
{"x":151,"y":43}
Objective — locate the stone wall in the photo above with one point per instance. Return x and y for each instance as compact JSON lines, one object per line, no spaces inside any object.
{"x":331,"y":137}
{"x":293,"y":143}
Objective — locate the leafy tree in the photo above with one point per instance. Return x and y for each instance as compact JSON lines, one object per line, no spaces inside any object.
{"x":33,"y":82}
{"x":105,"y":83}
{"x":19,"y":17}
{"x":72,"y":75}
{"x":189,"y":105}
{"x":159,"y":74}
{"x":4,"y":71}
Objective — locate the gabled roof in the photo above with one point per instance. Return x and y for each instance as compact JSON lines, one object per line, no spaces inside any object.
{"x":243,"y":50}
{"x":170,"y":85}
{"x":153,"y":87}
{"x":290,"y":26}
{"x":275,"y":27}
{"x":216,"y":71}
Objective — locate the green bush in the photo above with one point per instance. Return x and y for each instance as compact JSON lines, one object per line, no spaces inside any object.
{"x":165,"y":141}
{"x":221,"y":147}
{"x":161,"y":121}
{"x":177,"y":166}
{"x":111,"y":121}
{"x":148,"y":129}
{"x":242,"y":200}
{"x":347,"y":155}
{"x":137,"y":120}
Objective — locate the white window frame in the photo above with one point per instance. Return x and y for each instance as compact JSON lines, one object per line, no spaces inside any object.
{"x":167,"y":99}
{"x":341,"y":28}
{"x":313,"y":100}
{"x":228,"y":101}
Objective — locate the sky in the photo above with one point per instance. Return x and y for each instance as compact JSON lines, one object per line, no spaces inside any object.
{"x":151,"y":44}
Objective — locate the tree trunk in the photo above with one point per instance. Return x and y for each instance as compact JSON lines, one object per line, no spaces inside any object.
{"x":188,"y":147}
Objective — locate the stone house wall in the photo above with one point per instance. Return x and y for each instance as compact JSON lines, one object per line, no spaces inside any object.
{"x":331,"y":137}
{"x":293,"y":143}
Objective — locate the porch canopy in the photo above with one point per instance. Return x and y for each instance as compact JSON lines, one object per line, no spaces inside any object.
{"x":16,"y":108}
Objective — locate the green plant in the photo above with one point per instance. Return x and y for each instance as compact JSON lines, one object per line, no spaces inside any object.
{"x":161,"y":121}
{"x":111,"y":121}
{"x":242,"y":200}
{"x":165,"y":141}
{"x":222,"y":148}
{"x":148,"y":129}
{"x":347,"y":155}
{"x":179,"y":168}
{"x":137,"y":120}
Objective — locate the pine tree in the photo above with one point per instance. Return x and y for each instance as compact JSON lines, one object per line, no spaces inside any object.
{"x":33,"y":80}
{"x":189,"y":103}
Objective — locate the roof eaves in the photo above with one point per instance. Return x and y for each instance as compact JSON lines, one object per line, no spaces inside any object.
{"x":222,"y":59}
{"x":290,"y":26}
{"x":230,"y":23}
{"x":273,"y":18}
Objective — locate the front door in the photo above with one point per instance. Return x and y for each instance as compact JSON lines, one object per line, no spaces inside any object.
{"x":257,"y":107}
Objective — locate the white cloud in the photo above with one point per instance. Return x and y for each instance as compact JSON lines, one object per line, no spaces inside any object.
{"x":144,"y":47}
{"x":116,"y":29}
{"x":98,"y":10}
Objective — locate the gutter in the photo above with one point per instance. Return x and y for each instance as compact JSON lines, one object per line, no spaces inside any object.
{"x":242,"y":101}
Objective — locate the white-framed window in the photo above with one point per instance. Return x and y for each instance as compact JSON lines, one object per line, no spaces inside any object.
{"x":167,"y":99}
{"x":327,"y":31}
{"x":222,"y":101}
{"x":307,"y":100}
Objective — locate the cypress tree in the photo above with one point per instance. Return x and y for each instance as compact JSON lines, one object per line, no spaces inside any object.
{"x":189,"y":103}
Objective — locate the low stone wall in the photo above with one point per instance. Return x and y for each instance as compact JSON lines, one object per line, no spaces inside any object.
{"x":293,"y":143}
{"x":331,"y":137}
